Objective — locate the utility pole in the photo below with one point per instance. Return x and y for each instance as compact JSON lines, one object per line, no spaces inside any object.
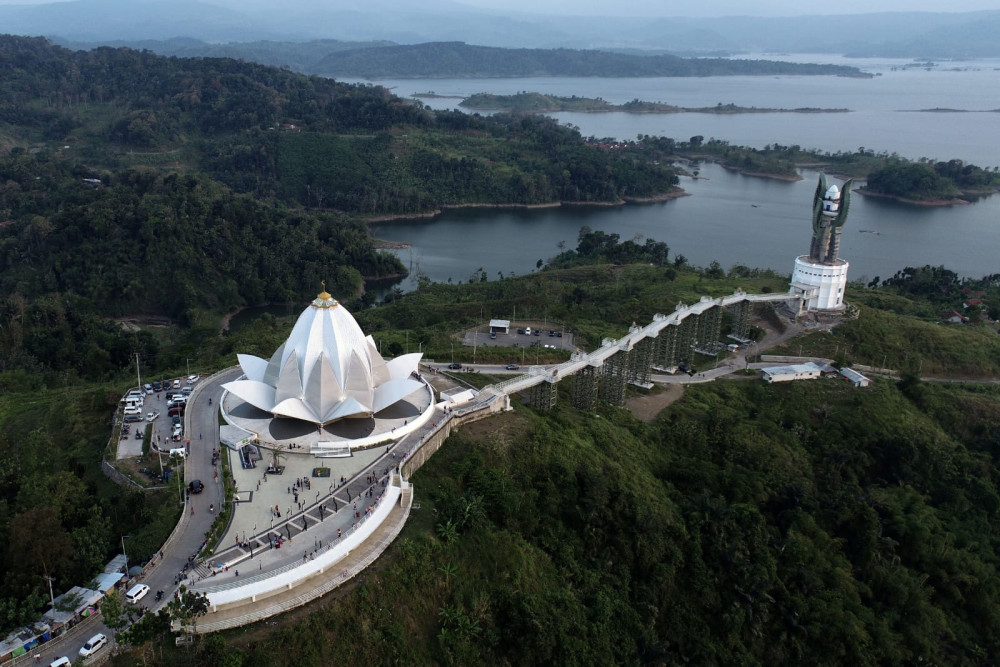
{"x":126,"y":555}
{"x":52,"y":597}
{"x":159,"y":454}
{"x":189,"y":366}
{"x":138,"y":376}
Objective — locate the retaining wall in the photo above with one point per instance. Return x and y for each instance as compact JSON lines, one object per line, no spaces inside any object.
{"x":433,"y":441}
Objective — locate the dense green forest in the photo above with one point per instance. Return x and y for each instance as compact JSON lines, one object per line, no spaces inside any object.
{"x":806,"y":523}
{"x":146,"y":243}
{"x":300,"y":57}
{"x":59,"y":516}
{"x":303,"y":141}
{"x":457,"y":59}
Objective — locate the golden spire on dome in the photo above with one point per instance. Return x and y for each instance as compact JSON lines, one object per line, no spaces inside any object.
{"x":324,"y":299}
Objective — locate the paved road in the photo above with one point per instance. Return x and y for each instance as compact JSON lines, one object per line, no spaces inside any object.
{"x":69,"y":644}
{"x":202,"y":430}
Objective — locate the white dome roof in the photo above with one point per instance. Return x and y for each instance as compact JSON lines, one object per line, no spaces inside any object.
{"x":326,"y":370}
{"x":833,"y":192}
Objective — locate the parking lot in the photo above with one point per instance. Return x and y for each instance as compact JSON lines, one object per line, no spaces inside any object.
{"x":541,"y":335}
{"x":156,"y":410}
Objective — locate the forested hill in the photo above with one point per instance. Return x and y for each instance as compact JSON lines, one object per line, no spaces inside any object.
{"x":136,"y":184}
{"x":304,"y":140}
{"x":457,"y":59}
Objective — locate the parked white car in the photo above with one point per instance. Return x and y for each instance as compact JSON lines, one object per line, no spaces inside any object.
{"x":93,"y":645}
{"x":137,"y":593}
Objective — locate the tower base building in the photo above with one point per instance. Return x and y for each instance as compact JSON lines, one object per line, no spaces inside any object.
{"x":821,"y":285}
{"x":819,"y":278}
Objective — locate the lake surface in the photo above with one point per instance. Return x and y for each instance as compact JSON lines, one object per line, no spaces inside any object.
{"x":738,"y":219}
{"x":729,"y":217}
{"x":882,"y":117}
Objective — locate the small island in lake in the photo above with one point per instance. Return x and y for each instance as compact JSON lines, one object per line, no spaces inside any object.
{"x":540,"y":103}
{"x":938,"y":184}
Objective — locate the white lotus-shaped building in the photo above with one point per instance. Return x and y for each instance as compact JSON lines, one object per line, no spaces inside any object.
{"x":326,"y":370}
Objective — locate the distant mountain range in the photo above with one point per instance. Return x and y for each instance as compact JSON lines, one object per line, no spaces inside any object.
{"x":900,"y":34}
{"x":377,"y":60}
{"x":455,"y":59}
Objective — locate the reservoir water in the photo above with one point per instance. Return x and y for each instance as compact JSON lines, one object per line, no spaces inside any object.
{"x":731,"y":218}
{"x":739,"y":219}
{"x":884,"y":110}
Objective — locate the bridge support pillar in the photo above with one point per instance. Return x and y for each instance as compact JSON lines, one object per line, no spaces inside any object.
{"x":543,"y":395}
{"x":709,"y":327}
{"x":614,"y":376}
{"x":665,"y":355}
{"x":687,"y":334}
{"x":585,"y":387}
{"x":741,"y":318}
{"x":640,"y":361}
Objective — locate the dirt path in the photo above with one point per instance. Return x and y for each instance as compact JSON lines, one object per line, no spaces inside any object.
{"x":646,"y":408}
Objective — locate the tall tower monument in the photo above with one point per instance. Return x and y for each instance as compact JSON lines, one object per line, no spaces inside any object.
{"x":821,"y":276}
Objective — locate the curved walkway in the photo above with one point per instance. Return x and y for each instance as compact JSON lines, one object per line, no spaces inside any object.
{"x":335,"y":512}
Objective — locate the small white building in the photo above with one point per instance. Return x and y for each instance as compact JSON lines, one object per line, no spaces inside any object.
{"x":854,"y":377}
{"x":806,"y":371}
{"x":500,"y":326}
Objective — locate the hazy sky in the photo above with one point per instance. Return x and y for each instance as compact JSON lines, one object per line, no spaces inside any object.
{"x":730,"y":7}
{"x":667,"y":7}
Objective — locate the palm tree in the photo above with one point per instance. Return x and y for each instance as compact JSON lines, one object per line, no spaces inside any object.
{"x":277,"y":458}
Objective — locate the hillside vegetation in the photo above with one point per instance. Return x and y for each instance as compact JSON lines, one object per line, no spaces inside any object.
{"x":751,"y":524}
{"x":303,"y":140}
{"x":134,"y":185}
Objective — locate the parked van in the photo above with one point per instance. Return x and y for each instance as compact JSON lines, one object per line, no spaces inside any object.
{"x":136,"y":593}
{"x":135,"y":410}
{"x":61,"y":662}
